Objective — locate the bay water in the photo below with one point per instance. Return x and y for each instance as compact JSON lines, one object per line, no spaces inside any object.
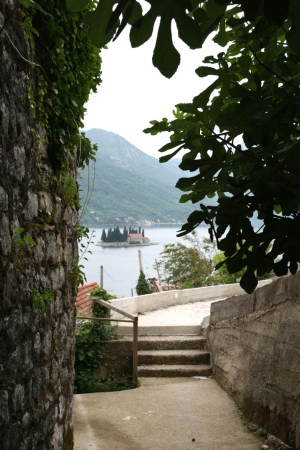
{"x":121,"y":264}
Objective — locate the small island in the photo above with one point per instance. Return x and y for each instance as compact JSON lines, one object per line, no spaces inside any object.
{"x":116,"y":238}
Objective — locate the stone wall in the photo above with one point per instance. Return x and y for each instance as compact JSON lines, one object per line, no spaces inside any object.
{"x":37,"y":252}
{"x":117,"y":361}
{"x":255,"y":347}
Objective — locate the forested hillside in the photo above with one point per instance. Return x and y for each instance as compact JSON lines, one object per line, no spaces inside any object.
{"x":129,"y":184}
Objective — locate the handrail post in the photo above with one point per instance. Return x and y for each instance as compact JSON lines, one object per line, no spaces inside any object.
{"x":135,"y":352}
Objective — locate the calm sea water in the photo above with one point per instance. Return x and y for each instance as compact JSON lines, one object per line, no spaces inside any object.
{"x":121,"y":265}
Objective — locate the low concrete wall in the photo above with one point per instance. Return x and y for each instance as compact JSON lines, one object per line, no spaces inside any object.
{"x":255,"y":348}
{"x":152,"y":302}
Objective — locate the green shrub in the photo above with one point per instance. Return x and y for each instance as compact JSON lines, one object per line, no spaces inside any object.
{"x":90,"y":336}
{"x":142,"y":287}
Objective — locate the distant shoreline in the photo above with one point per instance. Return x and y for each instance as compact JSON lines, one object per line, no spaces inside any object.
{"x":123,"y":244}
{"x":121,"y":224}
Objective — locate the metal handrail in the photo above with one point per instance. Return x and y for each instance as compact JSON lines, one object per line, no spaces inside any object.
{"x":133,"y":320}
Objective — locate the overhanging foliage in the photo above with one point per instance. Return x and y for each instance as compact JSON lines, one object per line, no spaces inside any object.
{"x":70,"y":68}
{"x":241,"y":133}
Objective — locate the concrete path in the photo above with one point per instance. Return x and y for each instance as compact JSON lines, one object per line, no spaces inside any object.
{"x":162,"y":414}
{"x":186,"y":314}
{"x":183,"y":319}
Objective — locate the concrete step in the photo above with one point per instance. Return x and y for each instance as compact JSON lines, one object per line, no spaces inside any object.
{"x":171,"y":343}
{"x":164,"y":330}
{"x":186,"y":370}
{"x":172,"y":357}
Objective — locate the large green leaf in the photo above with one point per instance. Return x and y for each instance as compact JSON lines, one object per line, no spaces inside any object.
{"x":166,"y":158}
{"x":77,"y":4}
{"x":97,"y":21}
{"x":213,"y":9}
{"x":165,"y":56}
{"x":280,"y":268}
{"x":250,"y":8}
{"x":141,"y":33}
{"x":248,"y":281}
{"x":236,"y":264}
{"x":200,"y":15}
{"x":201,"y":100}
{"x":204,"y":71}
{"x":103,"y":22}
{"x":221,"y":37}
{"x":186,"y":182}
{"x":188,"y":30}
{"x":276,"y":10}
{"x":123,"y":5}
{"x":293,"y":38}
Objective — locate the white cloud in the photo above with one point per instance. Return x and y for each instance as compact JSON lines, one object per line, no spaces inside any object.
{"x":133,"y":92}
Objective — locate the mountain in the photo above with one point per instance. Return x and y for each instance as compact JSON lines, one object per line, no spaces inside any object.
{"x":116,"y":150}
{"x":129,"y":185}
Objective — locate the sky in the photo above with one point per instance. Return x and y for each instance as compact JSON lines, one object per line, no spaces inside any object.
{"x":133,"y":91}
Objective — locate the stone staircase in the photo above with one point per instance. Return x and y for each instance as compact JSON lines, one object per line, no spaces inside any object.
{"x":173,"y":356}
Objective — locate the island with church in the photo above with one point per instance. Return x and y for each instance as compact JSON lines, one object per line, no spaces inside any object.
{"x":117,"y":238}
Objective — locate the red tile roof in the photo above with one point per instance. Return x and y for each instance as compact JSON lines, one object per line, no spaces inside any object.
{"x":83,"y":304}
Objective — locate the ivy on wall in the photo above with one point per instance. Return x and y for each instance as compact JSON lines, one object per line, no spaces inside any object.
{"x":89,"y":346}
{"x":70,"y":67}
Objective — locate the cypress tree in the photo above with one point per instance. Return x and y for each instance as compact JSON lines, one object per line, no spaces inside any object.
{"x":142,"y":286}
{"x":103,"y":236}
{"x":125,"y":234}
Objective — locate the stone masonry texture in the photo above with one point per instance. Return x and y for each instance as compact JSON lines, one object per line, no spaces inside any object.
{"x":116,"y":364}
{"x":37,"y":246}
{"x":255,"y":347}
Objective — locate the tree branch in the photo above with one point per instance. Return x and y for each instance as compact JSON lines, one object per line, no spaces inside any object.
{"x":272,"y":71}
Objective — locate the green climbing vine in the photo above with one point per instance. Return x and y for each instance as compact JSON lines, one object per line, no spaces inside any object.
{"x":22,"y":243}
{"x":69,"y":68}
{"x":42,"y":301}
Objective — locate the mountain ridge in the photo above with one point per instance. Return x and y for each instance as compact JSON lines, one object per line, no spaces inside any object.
{"x":130,"y":186}
{"x":119,"y":151}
